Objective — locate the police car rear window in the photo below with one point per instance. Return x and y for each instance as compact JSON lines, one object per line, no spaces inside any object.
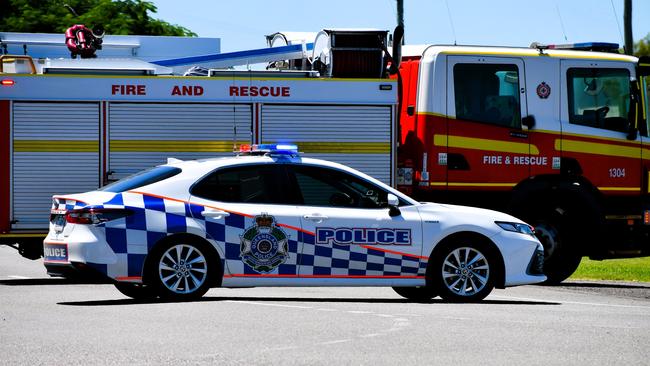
{"x":142,"y":179}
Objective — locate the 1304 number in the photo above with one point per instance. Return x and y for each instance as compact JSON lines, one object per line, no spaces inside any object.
{"x":617,"y":173}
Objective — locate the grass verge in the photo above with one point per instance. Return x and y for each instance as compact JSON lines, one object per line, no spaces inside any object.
{"x":633,"y":269}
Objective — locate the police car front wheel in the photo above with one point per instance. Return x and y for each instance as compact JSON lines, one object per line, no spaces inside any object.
{"x":180,"y":271}
{"x":464,"y":271}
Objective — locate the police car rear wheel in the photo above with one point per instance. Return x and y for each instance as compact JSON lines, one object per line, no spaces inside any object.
{"x":181,"y":272}
{"x":465,"y":271}
{"x":420,"y":293}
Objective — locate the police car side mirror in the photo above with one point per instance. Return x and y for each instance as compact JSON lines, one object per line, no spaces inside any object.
{"x":393,"y":202}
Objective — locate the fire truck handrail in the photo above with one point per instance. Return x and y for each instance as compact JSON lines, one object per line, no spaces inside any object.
{"x":13,"y":58}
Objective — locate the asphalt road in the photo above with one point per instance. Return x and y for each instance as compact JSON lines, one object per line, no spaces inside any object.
{"x":49,"y":321}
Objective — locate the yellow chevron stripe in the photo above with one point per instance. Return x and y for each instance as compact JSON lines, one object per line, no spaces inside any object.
{"x":473,"y":143}
{"x":342,"y":147}
{"x":535,"y":53}
{"x":620,"y":189}
{"x":595,"y":148}
{"x":172,"y":146}
{"x":56,"y":146}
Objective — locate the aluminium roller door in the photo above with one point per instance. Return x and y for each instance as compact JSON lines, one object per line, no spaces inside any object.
{"x":357,"y":136}
{"x":55,"y":151}
{"x":142,"y":135}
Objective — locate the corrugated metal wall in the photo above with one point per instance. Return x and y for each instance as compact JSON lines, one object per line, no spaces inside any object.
{"x":358,"y":136}
{"x":55,"y":151}
{"x":142,"y":135}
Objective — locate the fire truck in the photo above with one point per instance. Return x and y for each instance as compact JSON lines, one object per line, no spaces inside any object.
{"x":112,"y":117}
{"x":556,"y":135}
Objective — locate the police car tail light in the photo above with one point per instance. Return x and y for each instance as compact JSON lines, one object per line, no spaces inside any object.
{"x":91,"y":216}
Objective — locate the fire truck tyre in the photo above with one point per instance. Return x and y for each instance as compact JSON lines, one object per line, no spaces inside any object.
{"x":180,"y":271}
{"x":561,"y":258}
{"x":464,"y":270}
{"x":136,"y":291}
{"x":418,"y":294}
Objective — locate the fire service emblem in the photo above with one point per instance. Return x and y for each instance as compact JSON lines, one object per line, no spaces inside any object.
{"x":543,"y":90}
{"x":264,"y":246}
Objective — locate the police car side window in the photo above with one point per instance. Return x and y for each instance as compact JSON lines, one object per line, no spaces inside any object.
{"x":245,"y":184}
{"x":328,"y":187}
{"x":599,"y":98}
{"x":487,"y":93}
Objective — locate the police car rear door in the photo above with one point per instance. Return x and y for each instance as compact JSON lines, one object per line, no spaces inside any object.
{"x":348,"y":233}
{"x":243,"y":209}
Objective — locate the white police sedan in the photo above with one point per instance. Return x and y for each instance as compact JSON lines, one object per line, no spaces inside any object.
{"x":268,"y":217}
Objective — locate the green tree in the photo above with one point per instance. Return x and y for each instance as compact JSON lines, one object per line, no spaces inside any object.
{"x":642,"y":48}
{"x":117,"y":17}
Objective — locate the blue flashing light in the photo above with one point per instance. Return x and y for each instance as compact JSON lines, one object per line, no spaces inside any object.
{"x":276,"y":149}
{"x":586,"y":46}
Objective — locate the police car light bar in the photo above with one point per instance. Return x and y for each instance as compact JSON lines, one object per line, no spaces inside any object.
{"x":583,"y":46}
{"x":275,"y":149}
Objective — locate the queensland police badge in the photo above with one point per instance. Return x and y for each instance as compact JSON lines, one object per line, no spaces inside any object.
{"x":264,"y":246}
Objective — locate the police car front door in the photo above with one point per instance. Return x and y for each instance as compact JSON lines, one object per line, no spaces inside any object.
{"x":243,"y":209}
{"x":348,"y":234}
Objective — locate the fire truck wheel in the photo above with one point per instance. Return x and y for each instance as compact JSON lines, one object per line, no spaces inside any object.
{"x":180,"y":271}
{"x":561,"y":255}
{"x":136,"y":291}
{"x":418,"y":294}
{"x":464,"y":270}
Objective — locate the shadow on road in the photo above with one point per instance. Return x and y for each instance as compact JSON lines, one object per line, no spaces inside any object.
{"x":599,"y":285}
{"x":295,"y":299}
{"x":46,"y":282}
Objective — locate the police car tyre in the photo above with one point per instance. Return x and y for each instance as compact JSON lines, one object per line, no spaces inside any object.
{"x":464,"y":270}
{"x":419,"y":293}
{"x":136,"y":291}
{"x":180,"y":271}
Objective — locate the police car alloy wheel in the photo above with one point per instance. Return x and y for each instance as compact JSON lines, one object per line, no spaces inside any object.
{"x":181,"y":271}
{"x":465,"y":271}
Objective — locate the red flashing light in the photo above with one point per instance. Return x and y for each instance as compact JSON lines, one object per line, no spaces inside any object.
{"x":7,"y":82}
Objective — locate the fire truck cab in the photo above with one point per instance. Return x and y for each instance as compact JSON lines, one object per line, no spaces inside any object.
{"x":556,"y":135}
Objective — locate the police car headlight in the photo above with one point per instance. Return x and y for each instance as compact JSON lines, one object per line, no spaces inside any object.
{"x":516,"y":227}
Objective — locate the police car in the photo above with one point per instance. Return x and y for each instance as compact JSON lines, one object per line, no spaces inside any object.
{"x":268,"y":217}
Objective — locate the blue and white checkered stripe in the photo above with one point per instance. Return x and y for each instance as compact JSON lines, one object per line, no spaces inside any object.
{"x":67,"y":204}
{"x":154,"y":218}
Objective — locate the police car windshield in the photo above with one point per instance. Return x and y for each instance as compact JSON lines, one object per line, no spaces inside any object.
{"x":142,"y":179}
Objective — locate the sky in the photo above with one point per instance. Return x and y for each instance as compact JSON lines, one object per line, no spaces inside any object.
{"x":242,"y":24}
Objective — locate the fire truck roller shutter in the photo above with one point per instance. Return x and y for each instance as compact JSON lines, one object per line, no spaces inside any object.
{"x":358,"y":136}
{"x":55,"y":151}
{"x":143,"y":135}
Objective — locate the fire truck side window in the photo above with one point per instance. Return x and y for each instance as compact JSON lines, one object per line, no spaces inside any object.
{"x":646,"y":96}
{"x":487,"y":93}
{"x":599,"y":98}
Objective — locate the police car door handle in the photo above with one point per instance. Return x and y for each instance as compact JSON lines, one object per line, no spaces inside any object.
{"x":315,"y":218}
{"x":215,"y":214}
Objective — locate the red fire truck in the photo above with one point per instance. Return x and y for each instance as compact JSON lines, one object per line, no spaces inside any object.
{"x":556,"y":135}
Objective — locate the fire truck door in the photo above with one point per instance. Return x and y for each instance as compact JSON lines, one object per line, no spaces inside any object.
{"x":595,"y":112}
{"x":644,"y":120}
{"x":487,"y":147}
